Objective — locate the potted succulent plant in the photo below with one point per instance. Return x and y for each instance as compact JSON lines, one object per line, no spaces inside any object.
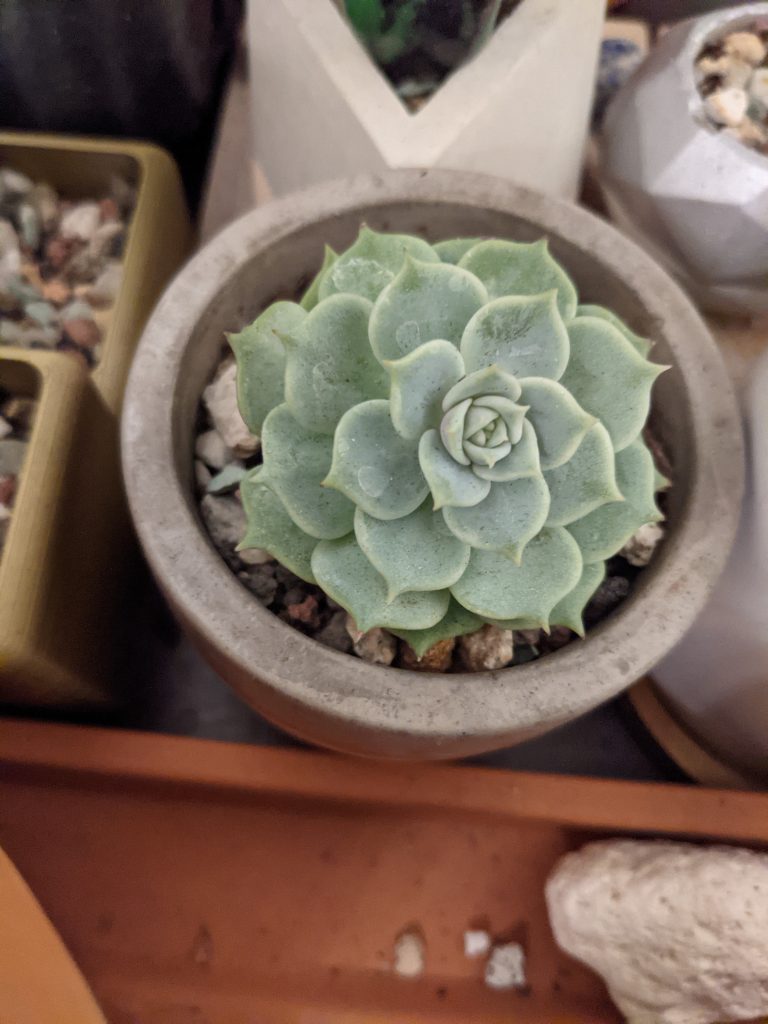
{"x":448,"y":440}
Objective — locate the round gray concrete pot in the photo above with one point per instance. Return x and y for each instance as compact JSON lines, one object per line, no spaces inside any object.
{"x":696,"y":198}
{"x":338,"y":700}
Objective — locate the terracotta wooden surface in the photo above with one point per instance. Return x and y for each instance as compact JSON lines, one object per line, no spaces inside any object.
{"x":196,"y":881}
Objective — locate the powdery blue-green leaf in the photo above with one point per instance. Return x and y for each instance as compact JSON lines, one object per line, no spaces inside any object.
{"x":496,"y":588}
{"x":368,"y":266}
{"x":585,"y":482}
{"x":522,"y":461}
{"x":416,"y":552}
{"x":506,"y":520}
{"x":271,"y":527}
{"x":424,"y":302}
{"x":457,"y":621}
{"x":606,"y":530}
{"x":419,"y":383}
{"x":558,"y":419}
{"x":374,"y":466}
{"x":452,"y":249}
{"x":608,"y":378}
{"x":296,"y":461}
{"x":489,"y":381}
{"x":331,"y":367}
{"x":642,"y":345}
{"x":520,"y":268}
{"x":344,"y":573}
{"x":524,"y":335}
{"x":569,"y":611}
{"x":260,"y":356}
{"x":311,"y":296}
{"x":450,"y":483}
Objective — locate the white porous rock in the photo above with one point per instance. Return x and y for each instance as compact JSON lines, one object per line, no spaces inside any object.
{"x":678,"y":932}
{"x":746,"y":45}
{"x":212,"y":449}
{"x":81,"y":221}
{"x":376,"y":645}
{"x":220,"y":399}
{"x":410,"y":953}
{"x":641,"y":546}
{"x":477,"y":943}
{"x":727,"y":106}
{"x":487,"y":649}
{"x":224,"y":519}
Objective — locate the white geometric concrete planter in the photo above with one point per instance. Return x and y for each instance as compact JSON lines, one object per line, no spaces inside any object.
{"x":519,"y":110}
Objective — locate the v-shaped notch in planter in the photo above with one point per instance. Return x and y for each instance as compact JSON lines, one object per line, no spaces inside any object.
{"x":518,"y":110}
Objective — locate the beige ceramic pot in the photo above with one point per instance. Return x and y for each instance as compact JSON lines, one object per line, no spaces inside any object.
{"x":336,"y":699}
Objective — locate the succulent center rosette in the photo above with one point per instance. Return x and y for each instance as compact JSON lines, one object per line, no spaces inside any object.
{"x":448,"y":438}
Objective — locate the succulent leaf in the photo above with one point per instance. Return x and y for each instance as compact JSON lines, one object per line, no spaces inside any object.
{"x":343,"y":571}
{"x":331,"y":367}
{"x":495,"y":587}
{"x":585,"y":482}
{"x":368,"y":266}
{"x":452,"y":249}
{"x":557,"y":418}
{"x":523,"y":335}
{"x":520,"y":268}
{"x":424,"y":302}
{"x":416,"y":552}
{"x":506,"y":520}
{"x":419,"y":384}
{"x":641,"y":345}
{"x":523,"y":460}
{"x":311,"y":296}
{"x":271,"y":527}
{"x":296,"y":461}
{"x":609,"y":378}
{"x":374,"y":466}
{"x":606,"y":530}
{"x":450,"y":482}
{"x":457,"y":621}
{"x":431,"y":426}
{"x":260,"y":356}
{"x":570,"y":609}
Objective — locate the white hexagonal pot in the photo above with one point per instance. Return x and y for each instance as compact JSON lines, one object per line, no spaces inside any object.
{"x":519,"y":109}
{"x":336,"y":699}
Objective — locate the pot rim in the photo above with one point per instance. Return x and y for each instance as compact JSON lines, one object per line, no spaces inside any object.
{"x":305,"y":675}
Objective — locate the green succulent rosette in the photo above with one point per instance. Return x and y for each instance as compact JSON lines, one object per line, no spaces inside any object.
{"x":448,"y":438}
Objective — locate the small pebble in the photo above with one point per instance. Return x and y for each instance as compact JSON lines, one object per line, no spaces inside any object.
{"x":14,"y":182}
{"x":5,"y":428}
{"x":255,"y":556}
{"x":261,"y":582}
{"x":210,"y":447}
{"x":224,"y":519}
{"x":82,"y":332}
{"x":220,"y":399}
{"x":7,"y":489}
{"x":202,"y":475}
{"x":558,"y":636}
{"x":41,"y":312}
{"x":640,"y":548}
{"x":377,"y":646}
{"x":56,"y":291}
{"x":746,"y":45}
{"x":506,"y":967}
{"x":81,"y":221}
{"x":727,"y":106}
{"x":758,"y":87}
{"x":109,"y":209}
{"x":45,"y":201}
{"x":438,"y":658}
{"x":57,"y":252}
{"x":487,"y":649}
{"x":334,"y":634}
{"x":306,"y":612}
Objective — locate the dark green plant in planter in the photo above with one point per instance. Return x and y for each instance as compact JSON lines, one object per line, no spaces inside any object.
{"x":448,"y":437}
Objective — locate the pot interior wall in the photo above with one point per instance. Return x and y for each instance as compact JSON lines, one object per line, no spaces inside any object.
{"x":283,"y":270}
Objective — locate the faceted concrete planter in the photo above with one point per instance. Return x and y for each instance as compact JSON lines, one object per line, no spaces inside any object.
{"x":333,"y":698}
{"x":519,"y":110}
{"x":696,"y":198}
